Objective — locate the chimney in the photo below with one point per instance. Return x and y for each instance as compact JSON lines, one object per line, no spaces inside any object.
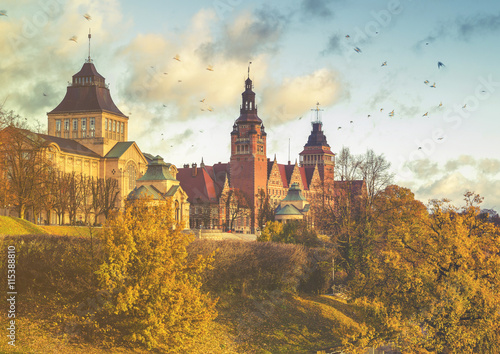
{"x":194,"y":170}
{"x":186,"y":165}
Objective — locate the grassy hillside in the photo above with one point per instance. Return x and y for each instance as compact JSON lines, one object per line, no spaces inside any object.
{"x":259,"y":312}
{"x":15,"y":226}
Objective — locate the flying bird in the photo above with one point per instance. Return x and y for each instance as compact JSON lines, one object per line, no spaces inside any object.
{"x":74,"y":39}
{"x":300,"y":117}
{"x":201,"y":109}
{"x":440,"y":138}
{"x":420,"y":148}
{"x":44,"y":94}
{"x":351,"y":121}
{"x":164,"y":105}
{"x":440,"y":65}
{"x":179,"y":80}
{"x":347,"y":36}
{"x":369,"y":115}
{"x":339,"y":128}
{"x":210,"y":109}
{"x":177,"y":57}
{"x":465,"y":105}
{"x":381,"y":109}
{"x":210,"y":68}
{"x":201,"y":131}
{"x":391,"y":114}
{"x":165,"y":73}
{"x":433,"y":85}
{"x":440,"y":104}
{"x":357,"y":50}
{"x":3,"y":13}
{"x":426,"y":82}
{"x":87,"y":17}
{"x":384,"y":63}
{"x":425,"y":114}
{"x":203,"y":100}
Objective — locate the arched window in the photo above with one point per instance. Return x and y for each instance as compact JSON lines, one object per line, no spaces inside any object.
{"x":132,"y":176}
{"x":177,"y":211}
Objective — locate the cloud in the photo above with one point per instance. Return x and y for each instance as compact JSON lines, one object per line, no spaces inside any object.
{"x":453,"y":178}
{"x":252,"y":34}
{"x":289,"y":99}
{"x":36,"y":51}
{"x":461,"y":161}
{"x":424,"y":168}
{"x":463,"y":28}
{"x":334,"y":45}
{"x":479,"y":24}
{"x":317,"y":8}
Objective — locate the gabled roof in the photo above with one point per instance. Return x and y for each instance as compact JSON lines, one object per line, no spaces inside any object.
{"x":69,"y":146}
{"x":288,"y":209}
{"x":119,"y":149}
{"x":145,"y":191}
{"x":205,"y":186}
{"x":158,"y":170}
{"x":172,"y":191}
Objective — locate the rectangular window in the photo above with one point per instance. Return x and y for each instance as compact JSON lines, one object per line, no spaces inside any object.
{"x":123,"y":127}
{"x":84,"y":124}
{"x":58,"y":125}
{"x":106,"y":124}
{"x":92,"y":123}
{"x":66,"y":124}
{"x":114,"y":126}
{"x":75,"y":124}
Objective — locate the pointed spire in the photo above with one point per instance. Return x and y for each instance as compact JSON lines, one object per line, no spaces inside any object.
{"x":274,"y":157}
{"x":249,"y":69}
{"x":89,"y":60}
{"x":202,"y":164}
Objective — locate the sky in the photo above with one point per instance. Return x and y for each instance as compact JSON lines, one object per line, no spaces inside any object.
{"x":442,"y":138}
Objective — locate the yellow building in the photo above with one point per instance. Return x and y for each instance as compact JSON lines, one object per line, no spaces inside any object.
{"x":87,"y":134}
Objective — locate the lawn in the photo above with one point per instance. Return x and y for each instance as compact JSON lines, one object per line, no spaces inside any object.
{"x":15,"y":226}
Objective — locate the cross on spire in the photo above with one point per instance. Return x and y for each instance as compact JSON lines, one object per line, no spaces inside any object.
{"x":317,"y":110}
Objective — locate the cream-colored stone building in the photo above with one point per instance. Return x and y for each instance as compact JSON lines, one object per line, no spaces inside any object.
{"x":88,"y":134}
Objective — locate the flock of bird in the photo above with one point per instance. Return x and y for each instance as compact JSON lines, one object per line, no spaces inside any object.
{"x":426,"y":82}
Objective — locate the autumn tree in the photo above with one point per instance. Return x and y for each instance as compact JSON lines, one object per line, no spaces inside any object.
{"x":266,"y":211}
{"x":436,"y":274}
{"x":153,"y":294}
{"x":237,"y":205}
{"x":24,"y":159}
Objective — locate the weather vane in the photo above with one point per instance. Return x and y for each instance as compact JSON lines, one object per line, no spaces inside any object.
{"x":317,"y":110}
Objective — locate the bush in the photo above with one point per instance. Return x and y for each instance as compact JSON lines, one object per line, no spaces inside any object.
{"x":251,"y":268}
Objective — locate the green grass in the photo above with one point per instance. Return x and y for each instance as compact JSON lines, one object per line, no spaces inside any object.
{"x":15,"y":226}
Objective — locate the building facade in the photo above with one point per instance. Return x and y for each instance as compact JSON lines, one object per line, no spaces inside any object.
{"x":249,"y":171}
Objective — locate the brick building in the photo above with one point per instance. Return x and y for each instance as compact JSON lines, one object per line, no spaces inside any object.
{"x":249,"y":171}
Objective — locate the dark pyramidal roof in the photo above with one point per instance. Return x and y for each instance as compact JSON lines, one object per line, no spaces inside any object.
{"x":87,"y":93}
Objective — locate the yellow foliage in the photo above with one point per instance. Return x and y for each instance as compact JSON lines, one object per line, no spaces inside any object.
{"x":153,"y":294}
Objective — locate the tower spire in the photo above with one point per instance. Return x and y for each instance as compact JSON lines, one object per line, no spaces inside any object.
{"x":90,"y":36}
{"x":249,"y":69}
{"x":317,"y":110}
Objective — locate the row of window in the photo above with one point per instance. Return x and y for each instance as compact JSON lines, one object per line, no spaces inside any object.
{"x":114,"y":126}
{"x":310,"y":158}
{"x":83,"y":124}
